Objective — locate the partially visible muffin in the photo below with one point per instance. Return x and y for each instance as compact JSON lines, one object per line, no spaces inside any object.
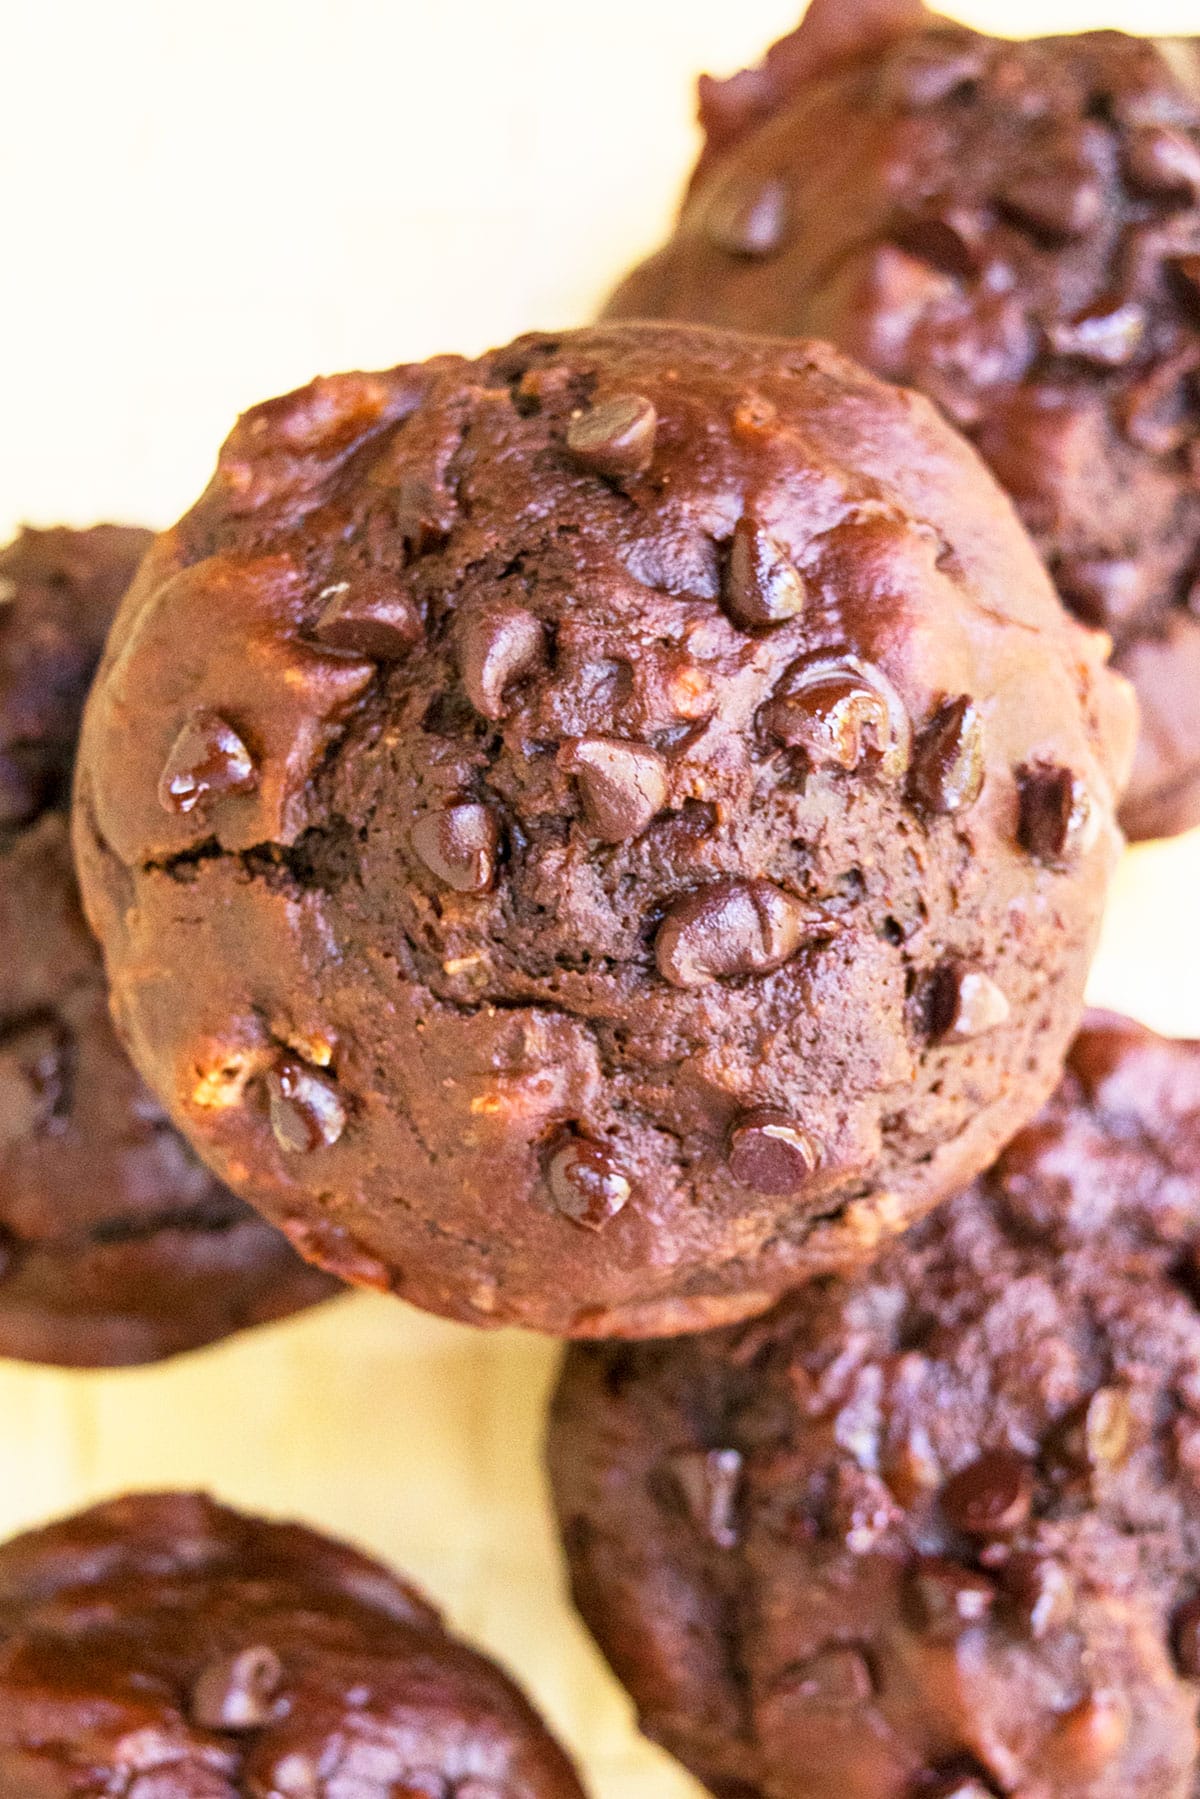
{"x":164,"y":1647}
{"x":116,"y":1244}
{"x":1013,"y":228}
{"x":589,"y":837}
{"x":933,"y":1533}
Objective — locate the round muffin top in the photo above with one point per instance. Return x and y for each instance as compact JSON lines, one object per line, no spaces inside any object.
{"x":162,"y":1647}
{"x":589,"y":836}
{"x":1013,"y":228}
{"x":116,"y":1244}
{"x":934,"y":1533}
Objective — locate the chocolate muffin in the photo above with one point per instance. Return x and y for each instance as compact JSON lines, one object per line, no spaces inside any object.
{"x":1013,"y":228}
{"x":590,"y":837}
{"x":162,"y":1647}
{"x":935,"y":1531}
{"x":116,"y":1245}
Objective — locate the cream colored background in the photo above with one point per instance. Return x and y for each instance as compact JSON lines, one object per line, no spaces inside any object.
{"x":205,"y":204}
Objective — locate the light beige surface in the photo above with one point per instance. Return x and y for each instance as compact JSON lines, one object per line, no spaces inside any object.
{"x":205,"y":205}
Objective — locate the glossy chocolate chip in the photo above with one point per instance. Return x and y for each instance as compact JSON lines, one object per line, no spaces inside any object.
{"x":1106,"y":336}
{"x":616,"y":438}
{"x":622,"y":785}
{"x":991,"y":1497}
{"x":749,"y":216}
{"x":368,"y":615}
{"x":498,"y":646}
{"x":948,"y":761}
{"x":239,"y":1691}
{"x":307,"y":1112}
{"x":1185,"y":1637}
{"x":1054,"y":813}
{"x":950,"y":240}
{"x":207,"y":761}
{"x":943,"y":1598}
{"x":762,"y":586}
{"x":1056,"y":203}
{"x":835,"y":1679}
{"x":586,"y":1183}
{"x":769,"y":1153}
{"x":733,"y":928}
{"x":459,"y":845}
{"x":709,"y":1481}
{"x":842,"y":712}
{"x":964,"y":1003}
{"x":1160,"y":160}
{"x":1039,"y":1592}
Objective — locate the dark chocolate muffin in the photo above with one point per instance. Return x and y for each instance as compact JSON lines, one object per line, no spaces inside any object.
{"x":162,"y":1647}
{"x":1013,"y":228}
{"x":116,"y":1245}
{"x":592,"y":836}
{"x":934,"y":1532}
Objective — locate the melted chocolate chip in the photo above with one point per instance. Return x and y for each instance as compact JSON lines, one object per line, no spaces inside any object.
{"x":616,"y":438}
{"x":306,"y":1109}
{"x":749,"y":216}
{"x":207,"y":761}
{"x":237,"y":1692}
{"x":763,"y":587}
{"x":459,"y":845}
{"x":734,"y":928}
{"x":709,"y":1480}
{"x":1055,"y":203}
{"x":368,"y":615}
{"x":622,"y":785}
{"x":948,"y":762}
{"x":1106,"y":336}
{"x":1040,"y":1593}
{"x":769,"y":1153}
{"x":841,"y":712}
{"x":991,"y":1497}
{"x":1054,"y":815}
{"x":944,"y":1599}
{"x":496,"y":647}
{"x":1160,"y":160}
{"x":835,"y":1679}
{"x":964,"y":1003}
{"x":1185,"y":1637}
{"x":586,"y":1183}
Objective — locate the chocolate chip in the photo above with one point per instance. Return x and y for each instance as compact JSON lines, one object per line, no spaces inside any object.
{"x":586,"y":1183}
{"x":835,"y":1679}
{"x":459,"y":845}
{"x":709,"y":1480}
{"x":1055,"y":813}
{"x":1106,"y":335}
{"x":307,"y":1112}
{"x":369,"y":615}
{"x":842,"y":712}
{"x":1056,"y":203}
{"x":1103,"y":591}
{"x":1188,"y":269}
{"x":944,"y":1598}
{"x":237,"y":1692}
{"x":1162,"y":161}
{"x":496,"y":647}
{"x":622,"y":785}
{"x":964,"y":1003}
{"x":734,"y":928}
{"x":1090,"y":1736}
{"x":991,"y":1497}
{"x":1040,"y":1593}
{"x":951,"y":241}
{"x":208,"y":760}
{"x":616,"y":438}
{"x":749,"y":216}
{"x":948,"y":764}
{"x":1185,"y":1636}
{"x":769,"y":1153}
{"x":762,"y":587}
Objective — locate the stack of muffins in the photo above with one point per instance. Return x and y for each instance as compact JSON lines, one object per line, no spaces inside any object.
{"x":611,"y":837}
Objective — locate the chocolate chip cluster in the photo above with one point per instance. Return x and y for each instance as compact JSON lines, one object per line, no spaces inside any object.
{"x":591,"y":836}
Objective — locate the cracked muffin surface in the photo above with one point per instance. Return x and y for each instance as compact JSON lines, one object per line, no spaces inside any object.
{"x":591,"y":836}
{"x":930,"y":1533}
{"x":116,"y":1244}
{"x":164,"y":1647}
{"x":1014,"y":229}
